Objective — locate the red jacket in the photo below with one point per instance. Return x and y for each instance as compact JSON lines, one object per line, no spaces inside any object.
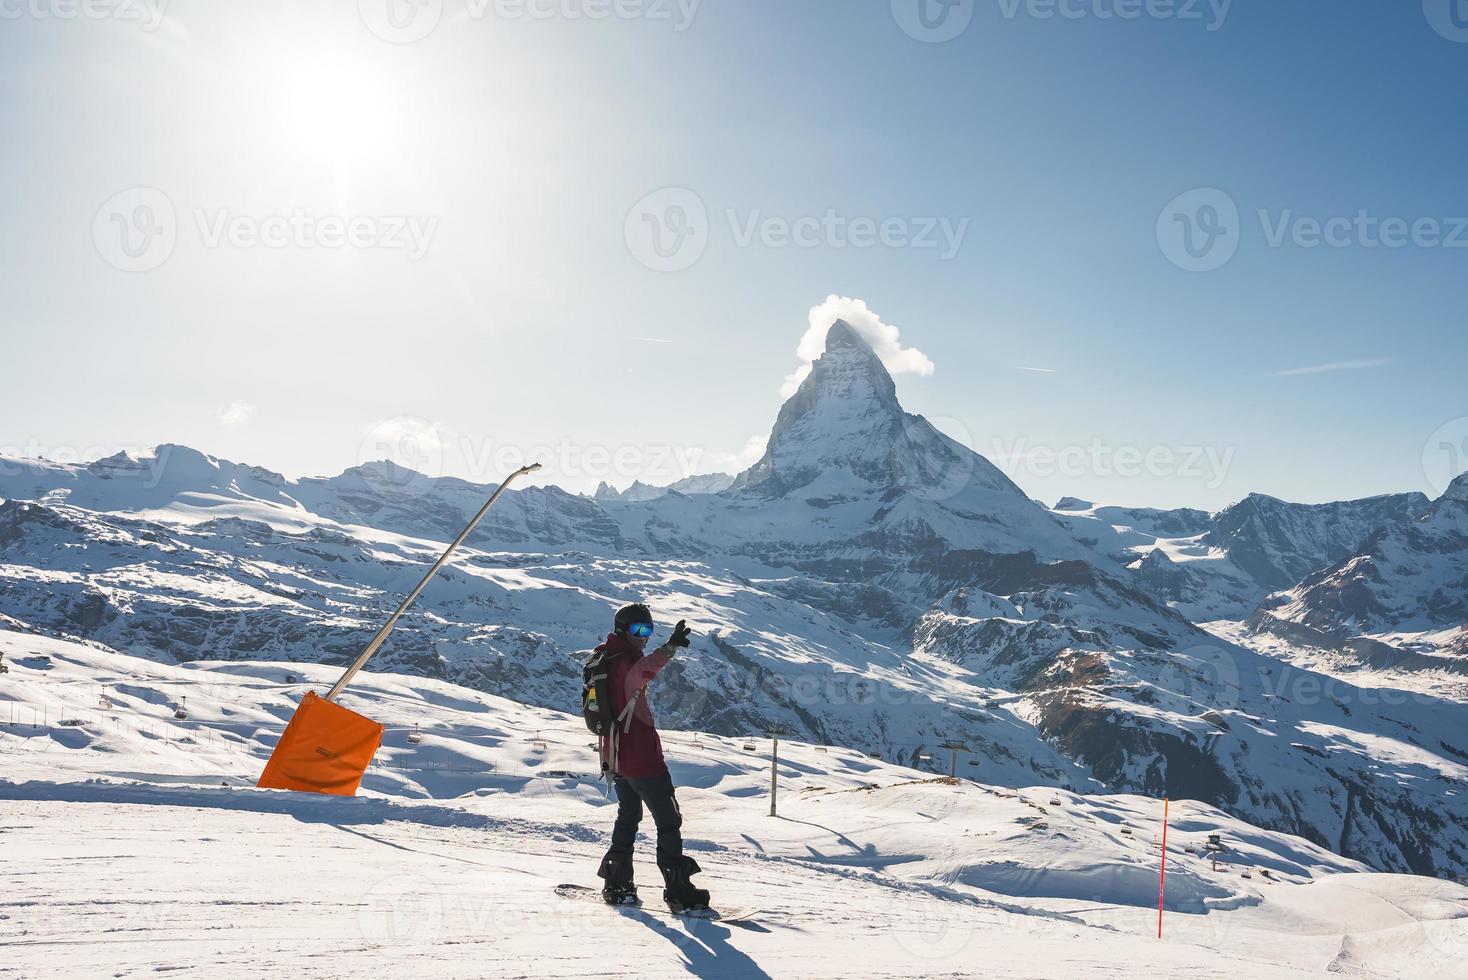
{"x":639,"y":750}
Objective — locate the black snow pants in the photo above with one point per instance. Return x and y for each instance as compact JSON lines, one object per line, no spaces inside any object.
{"x":657,"y":793}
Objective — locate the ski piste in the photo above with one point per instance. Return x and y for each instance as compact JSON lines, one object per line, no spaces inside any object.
{"x":745,"y":918}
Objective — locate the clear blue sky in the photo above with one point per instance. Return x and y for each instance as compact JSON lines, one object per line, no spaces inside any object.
{"x":520,"y":145}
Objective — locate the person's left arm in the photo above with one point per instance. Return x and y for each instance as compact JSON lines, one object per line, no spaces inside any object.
{"x":651,"y":665}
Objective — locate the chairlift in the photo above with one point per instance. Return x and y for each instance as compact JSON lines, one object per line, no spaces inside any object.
{"x":974,"y":763}
{"x":924,"y":757}
{"x":821,"y":749}
{"x":875,"y":755}
{"x":1126,"y":831}
{"x":1055,"y":802}
{"x":415,"y":736}
{"x":103,"y":701}
{"x":749,"y":746}
{"x":182,"y":711}
{"x":1246,"y":874}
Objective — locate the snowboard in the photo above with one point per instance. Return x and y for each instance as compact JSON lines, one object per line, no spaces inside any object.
{"x":732,"y":917}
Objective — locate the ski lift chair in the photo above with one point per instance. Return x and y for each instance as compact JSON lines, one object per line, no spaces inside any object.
{"x":749,"y":746}
{"x":415,"y":736}
{"x":182,"y":711}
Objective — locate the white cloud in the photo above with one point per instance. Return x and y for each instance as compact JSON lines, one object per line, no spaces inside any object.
{"x":1333,"y":366}
{"x":882,"y":337}
{"x":742,"y":460}
{"x":235,"y":413}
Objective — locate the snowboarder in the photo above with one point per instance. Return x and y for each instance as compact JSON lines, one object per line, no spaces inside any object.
{"x":633,"y":756}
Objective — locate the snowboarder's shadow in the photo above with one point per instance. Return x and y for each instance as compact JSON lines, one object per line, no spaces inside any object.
{"x":704,"y":943}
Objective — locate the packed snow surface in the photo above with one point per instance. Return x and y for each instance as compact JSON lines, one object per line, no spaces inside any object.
{"x":137,"y":844}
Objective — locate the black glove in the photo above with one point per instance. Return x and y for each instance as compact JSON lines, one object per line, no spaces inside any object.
{"x":681,"y":632}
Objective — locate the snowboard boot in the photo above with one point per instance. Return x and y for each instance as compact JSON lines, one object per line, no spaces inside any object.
{"x":617,"y":885}
{"x":680,"y":894}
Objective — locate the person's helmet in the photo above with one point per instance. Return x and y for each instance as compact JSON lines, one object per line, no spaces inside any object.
{"x":627,"y":615}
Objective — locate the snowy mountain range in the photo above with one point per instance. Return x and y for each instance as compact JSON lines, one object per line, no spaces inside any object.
{"x":869,"y":582}
{"x":1400,"y":598}
{"x":1221,"y":566}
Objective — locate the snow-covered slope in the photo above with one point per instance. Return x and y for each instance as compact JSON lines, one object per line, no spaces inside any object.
{"x":476,"y":807}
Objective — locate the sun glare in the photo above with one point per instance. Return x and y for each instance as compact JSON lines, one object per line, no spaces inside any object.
{"x":332,"y":112}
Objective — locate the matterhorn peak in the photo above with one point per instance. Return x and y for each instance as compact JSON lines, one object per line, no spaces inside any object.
{"x":844,"y":412}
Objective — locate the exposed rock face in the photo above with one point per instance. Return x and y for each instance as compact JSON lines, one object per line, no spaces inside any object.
{"x":1279,"y":543}
{"x":1221,"y":566}
{"x":1406,"y":578}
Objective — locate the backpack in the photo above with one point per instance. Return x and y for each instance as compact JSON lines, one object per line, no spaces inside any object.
{"x":596,"y":694}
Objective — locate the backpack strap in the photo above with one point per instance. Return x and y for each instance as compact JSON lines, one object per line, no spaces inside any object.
{"x":625,"y":718}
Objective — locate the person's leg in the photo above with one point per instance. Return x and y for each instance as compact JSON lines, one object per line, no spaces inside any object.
{"x":616,"y":867}
{"x":677,"y":867}
{"x":629,"y":816}
{"x":662,"y":801}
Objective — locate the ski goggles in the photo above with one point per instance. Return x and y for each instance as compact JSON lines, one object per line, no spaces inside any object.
{"x":640,"y":630}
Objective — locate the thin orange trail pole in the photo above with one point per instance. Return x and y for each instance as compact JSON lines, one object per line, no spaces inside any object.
{"x":1162,"y":877}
